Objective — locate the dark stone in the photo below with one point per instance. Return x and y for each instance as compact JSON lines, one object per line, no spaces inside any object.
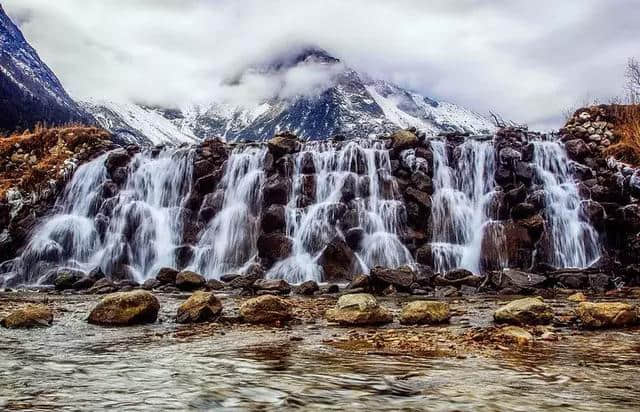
{"x":283,"y":144}
{"x":115,"y":159}
{"x":150,"y":284}
{"x":331,"y":289}
{"x":188,"y":280}
{"x":519,"y":282}
{"x":183,"y":255}
{"x":274,"y":219}
{"x":83,"y":283}
{"x":273,"y":247}
{"x":337,"y":260}
{"x":214,"y":284}
{"x":359,"y":282}
{"x":402,"y":277}
{"x":120,"y":175}
{"x":422,"y":199}
{"x":577,"y":149}
{"x":353,"y":237}
{"x":229,"y":277}
{"x":167,"y":276}
{"x":307,"y":288}
{"x":276,"y":191}
{"x":523,"y":211}
{"x":67,"y":277}
{"x":278,"y":286}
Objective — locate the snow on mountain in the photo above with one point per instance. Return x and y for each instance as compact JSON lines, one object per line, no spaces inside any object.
{"x":29,"y":91}
{"x":132,"y":123}
{"x":349,"y":103}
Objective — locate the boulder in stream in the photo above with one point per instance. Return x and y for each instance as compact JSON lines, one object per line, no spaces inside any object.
{"x":358,"y":309}
{"x":28,"y":316}
{"x":422,"y":312}
{"x":527,"y":311}
{"x":188,"y":280}
{"x":126,"y":308}
{"x":606,"y":314}
{"x":200,"y":307}
{"x":266,"y":309}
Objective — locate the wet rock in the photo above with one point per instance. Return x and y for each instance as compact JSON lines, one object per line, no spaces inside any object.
{"x":151,"y":284}
{"x":28,"y":316}
{"x":253,"y":273}
{"x":115,"y":159}
{"x":331,"y":289}
{"x":527,"y":311}
{"x":126,"y":308}
{"x":188,"y":280}
{"x":200,"y":307}
{"x":403,"y":139}
{"x":577,"y":149}
{"x":207,"y":183}
{"x":307,"y":288}
{"x":606,"y":314}
{"x":523,"y":211}
{"x":422,"y":312}
{"x":183,"y":255}
{"x":274,"y":219}
{"x":360,"y":282}
{"x":358,"y":309}
{"x":446,"y":292}
{"x":67,"y":277}
{"x":83,"y":283}
{"x":353,"y":237}
{"x":337,"y":261}
{"x":267,"y":309}
{"x":577,"y":297}
{"x":402,"y":277}
{"x":276,"y":191}
{"x":279,"y":286}
{"x":273,"y":247}
{"x":514,"y":335}
{"x":103,"y":286}
{"x":283,"y":144}
{"x":517,"y":282}
{"x":422,"y":199}
{"x":214,"y":284}
{"x":167,"y":276}
{"x":229,"y":277}
{"x":509,"y":156}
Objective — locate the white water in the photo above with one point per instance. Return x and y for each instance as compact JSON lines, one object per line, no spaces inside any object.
{"x":574,"y":242}
{"x":229,"y":241}
{"x":366,"y":166}
{"x":460,"y":205}
{"x":144,"y":224}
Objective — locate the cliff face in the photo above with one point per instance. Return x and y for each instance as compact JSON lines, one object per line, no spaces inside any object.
{"x":34,"y":168}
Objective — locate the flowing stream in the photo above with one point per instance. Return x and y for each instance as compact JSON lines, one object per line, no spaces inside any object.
{"x":358,"y":174}
{"x":573,"y":241}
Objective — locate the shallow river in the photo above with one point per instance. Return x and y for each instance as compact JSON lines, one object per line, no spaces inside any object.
{"x":76,"y":366}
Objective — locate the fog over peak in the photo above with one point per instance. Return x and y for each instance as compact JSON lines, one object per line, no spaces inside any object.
{"x":527,"y":60}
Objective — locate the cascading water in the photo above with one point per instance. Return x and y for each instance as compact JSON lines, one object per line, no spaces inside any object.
{"x":229,"y":241}
{"x":461,"y":205}
{"x":134,"y":231}
{"x":573,"y":241}
{"x":362,"y":168}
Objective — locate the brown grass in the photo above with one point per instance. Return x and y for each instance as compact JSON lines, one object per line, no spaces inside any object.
{"x":627,"y":126}
{"x":50,"y":147}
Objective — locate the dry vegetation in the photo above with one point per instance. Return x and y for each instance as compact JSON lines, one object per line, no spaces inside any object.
{"x":29,"y":158}
{"x":627,"y":125}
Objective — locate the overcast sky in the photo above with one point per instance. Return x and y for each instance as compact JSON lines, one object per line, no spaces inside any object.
{"x":528,"y":60}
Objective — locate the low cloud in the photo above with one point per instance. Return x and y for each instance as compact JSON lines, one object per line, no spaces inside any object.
{"x":526,"y":60}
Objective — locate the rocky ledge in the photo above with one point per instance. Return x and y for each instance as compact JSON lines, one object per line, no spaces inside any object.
{"x":34,"y":167}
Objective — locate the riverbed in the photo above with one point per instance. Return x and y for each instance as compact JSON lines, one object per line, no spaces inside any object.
{"x":308,"y":365}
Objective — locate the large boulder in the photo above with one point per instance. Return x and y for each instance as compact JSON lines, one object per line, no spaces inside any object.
{"x":606,"y":314}
{"x":307,"y":288}
{"x":527,"y":311}
{"x":28,"y":316}
{"x":516,"y":281}
{"x":167,"y":276}
{"x":279,"y":286}
{"x":273,"y":247}
{"x":338,"y":261}
{"x":267,"y":309}
{"x":188,"y":280}
{"x":126,"y":308}
{"x":200,"y":307}
{"x":282,"y":144}
{"x":422,"y":312}
{"x":274,"y":219}
{"x":358,"y":309}
{"x":67,"y":277}
{"x":402,"y":277}
{"x":403,"y":139}
{"x":513,"y":335}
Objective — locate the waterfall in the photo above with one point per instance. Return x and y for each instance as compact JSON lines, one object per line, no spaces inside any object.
{"x":357,"y":173}
{"x":134,"y":231}
{"x":461,"y":204}
{"x":573,"y":241}
{"x":229,"y":241}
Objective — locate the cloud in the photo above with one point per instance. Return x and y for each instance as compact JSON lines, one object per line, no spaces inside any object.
{"x":526,"y":60}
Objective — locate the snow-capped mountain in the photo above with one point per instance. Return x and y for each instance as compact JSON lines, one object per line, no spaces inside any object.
{"x":347,"y":102}
{"x":29,"y":91}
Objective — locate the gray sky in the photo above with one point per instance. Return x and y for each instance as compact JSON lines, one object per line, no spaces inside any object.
{"x":528,"y":60}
